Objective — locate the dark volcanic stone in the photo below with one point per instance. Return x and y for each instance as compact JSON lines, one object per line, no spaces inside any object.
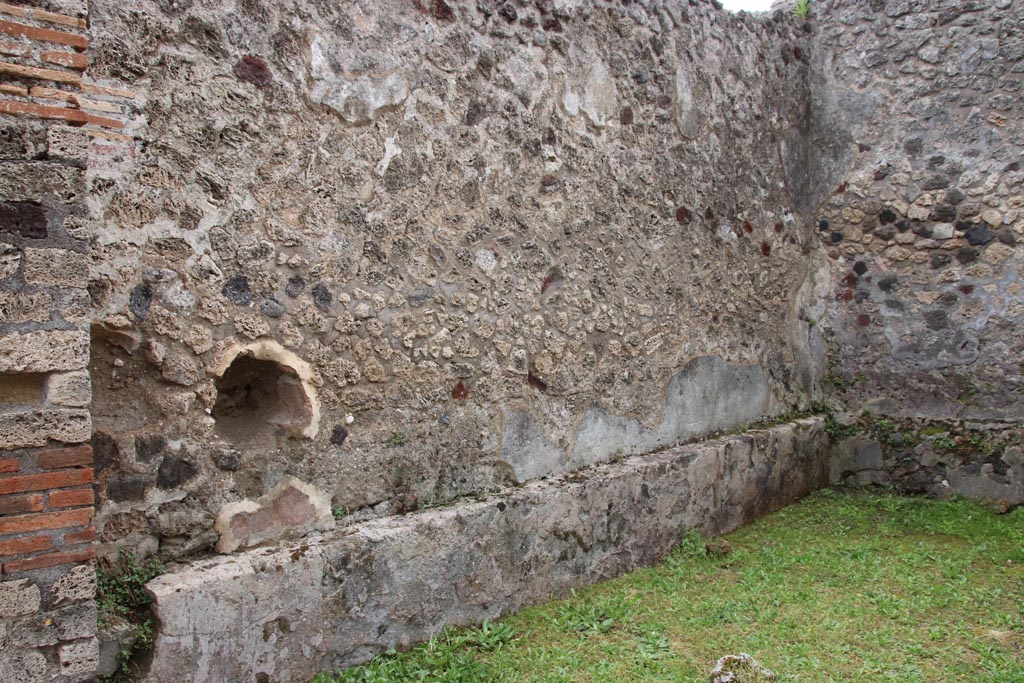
{"x":954,"y":196}
{"x":979,"y":235}
{"x":941,"y":260}
{"x":125,"y":488}
{"x":936,"y":319}
{"x":836,"y":237}
{"x":967,"y":255}
{"x":174,"y":472}
{"x":943,"y":213}
{"x":322,"y":297}
{"x":253,"y":69}
{"x":140,"y":300}
{"x":228,"y":461}
{"x":860,"y":267}
{"x":27,"y":219}
{"x":935,"y":182}
{"x":296,"y":285}
{"x":338,"y":435}
{"x":888,"y":283}
{"x":237,"y":290}
{"x":104,"y":451}
{"x":271,"y":307}
{"x":147,"y":446}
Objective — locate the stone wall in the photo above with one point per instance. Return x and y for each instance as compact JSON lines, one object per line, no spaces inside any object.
{"x":47,"y":118}
{"x":923,"y":231}
{"x":284,"y":614}
{"x":404,"y":252}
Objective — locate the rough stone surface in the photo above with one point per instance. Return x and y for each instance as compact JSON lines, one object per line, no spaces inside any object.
{"x":339,"y":599}
{"x":929,"y":99}
{"x":979,"y":461}
{"x":78,"y":660}
{"x":35,"y":427}
{"x":741,"y":668}
{"x":454,"y":225}
{"x":71,"y":389}
{"x":18,"y":598}
{"x":44,"y":351}
{"x":76,"y":585}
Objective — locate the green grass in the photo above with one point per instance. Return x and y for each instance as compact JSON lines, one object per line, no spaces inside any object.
{"x":840,"y":587}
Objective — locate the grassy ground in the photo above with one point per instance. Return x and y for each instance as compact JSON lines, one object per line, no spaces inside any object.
{"x":841,"y":587}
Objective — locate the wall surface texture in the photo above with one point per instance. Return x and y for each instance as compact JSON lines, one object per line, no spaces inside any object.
{"x":406,"y":253}
{"x":47,"y":584}
{"x":283,"y":614}
{"x":286,"y":269}
{"x":923,"y":233}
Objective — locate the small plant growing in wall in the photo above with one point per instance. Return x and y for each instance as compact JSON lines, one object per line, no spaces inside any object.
{"x":122,"y":600}
{"x":395,"y":440}
{"x":801,"y":8}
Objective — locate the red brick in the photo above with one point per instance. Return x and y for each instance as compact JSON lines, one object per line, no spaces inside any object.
{"x":47,"y":481}
{"x":71,"y":499}
{"x":65,"y":457}
{"x":86,"y":536}
{"x":72,"y":60}
{"x":8,"y":465}
{"x":75,"y":117}
{"x":45,"y":35}
{"x":51,"y":560}
{"x":41,"y":521}
{"x":13,"y":505}
{"x":20,"y":546}
{"x":41,"y":15}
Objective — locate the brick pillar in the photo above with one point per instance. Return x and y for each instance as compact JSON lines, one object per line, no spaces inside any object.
{"x":48,"y":116}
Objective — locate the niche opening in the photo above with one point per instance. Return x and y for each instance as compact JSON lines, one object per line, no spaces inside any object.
{"x":260,"y":399}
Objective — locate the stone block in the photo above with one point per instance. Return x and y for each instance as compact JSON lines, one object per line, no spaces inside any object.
{"x":56,"y":267}
{"x":65,"y":143}
{"x":26,"y":307}
{"x":44,"y":351}
{"x":10,"y":260}
{"x":78,"y":660}
{"x":75,"y":622}
{"x":78,"y":584}
{"x":24,"y":666}
{"x":29,"y":428}
{"x":18,"y":598}
{"x":339,"y":598}
{"x":71,"y":389}
{"x":32,"y":181}
{"x":290,"y":509}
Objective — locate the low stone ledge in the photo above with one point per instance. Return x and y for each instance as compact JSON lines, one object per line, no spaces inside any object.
{"x":339,"y":599}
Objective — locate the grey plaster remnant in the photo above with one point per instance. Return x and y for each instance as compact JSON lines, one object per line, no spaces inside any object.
{"x":705,"y":396}
{"x":688,"y":115}
{"x":527,"y":450}
{"x":595,"y":96}
{"x":337,"y":600}
{"x":355,"y":100}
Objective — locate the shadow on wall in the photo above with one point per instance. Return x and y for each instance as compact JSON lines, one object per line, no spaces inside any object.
{"x":706,"y":396}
